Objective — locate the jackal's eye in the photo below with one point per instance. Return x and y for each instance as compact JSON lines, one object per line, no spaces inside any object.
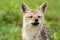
{"x":30,"y":16}
{"x":39,"y":16}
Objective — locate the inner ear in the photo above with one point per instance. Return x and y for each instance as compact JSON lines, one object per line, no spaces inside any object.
{"x":43,"y":7}
{"x":24,"y":7}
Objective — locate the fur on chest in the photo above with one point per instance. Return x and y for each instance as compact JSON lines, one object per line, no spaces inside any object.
{"x":31,"y":33}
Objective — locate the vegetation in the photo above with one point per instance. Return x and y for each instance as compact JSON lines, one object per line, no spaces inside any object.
{"x":11,"y":18}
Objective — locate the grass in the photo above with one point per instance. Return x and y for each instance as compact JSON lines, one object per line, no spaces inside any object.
{"x":11,"y":18}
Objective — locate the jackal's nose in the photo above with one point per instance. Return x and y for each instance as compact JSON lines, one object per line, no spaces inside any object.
{"x":36,"y":20}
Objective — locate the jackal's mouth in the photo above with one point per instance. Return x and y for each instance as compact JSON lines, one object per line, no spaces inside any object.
{"x":35,"y":23}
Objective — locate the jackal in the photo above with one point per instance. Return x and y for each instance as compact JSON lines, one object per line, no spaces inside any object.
{"x":33,"y":20}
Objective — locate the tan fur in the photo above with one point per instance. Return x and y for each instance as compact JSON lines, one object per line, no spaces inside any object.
{"x":29,"y":31}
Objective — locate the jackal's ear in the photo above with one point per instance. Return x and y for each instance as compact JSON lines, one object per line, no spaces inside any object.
{"x":24,"y":7}
{"x":43,"y":7}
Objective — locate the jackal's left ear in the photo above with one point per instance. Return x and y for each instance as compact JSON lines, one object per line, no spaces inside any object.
{"x":43,"y":7}
{"x":24,"y":7}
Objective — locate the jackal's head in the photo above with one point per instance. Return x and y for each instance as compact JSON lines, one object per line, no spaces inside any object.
{"x":33,"y":17}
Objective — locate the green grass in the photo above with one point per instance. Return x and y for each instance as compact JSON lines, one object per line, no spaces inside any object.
{"x":11,"y":18}
{"x":9,"y":32}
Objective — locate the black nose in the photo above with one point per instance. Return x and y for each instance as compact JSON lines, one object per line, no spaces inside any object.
{"x":36,"y":20}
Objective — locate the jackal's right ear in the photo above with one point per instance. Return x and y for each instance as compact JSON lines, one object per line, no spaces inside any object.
{"x":24,"y":7}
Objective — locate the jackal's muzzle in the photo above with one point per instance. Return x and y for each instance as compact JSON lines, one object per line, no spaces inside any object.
{"x":36,"y":22}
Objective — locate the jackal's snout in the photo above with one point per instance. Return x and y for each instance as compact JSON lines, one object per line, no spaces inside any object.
{"x":35,"y":22}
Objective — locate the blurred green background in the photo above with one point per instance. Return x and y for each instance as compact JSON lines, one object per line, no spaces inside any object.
{"x":11,"y":18}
